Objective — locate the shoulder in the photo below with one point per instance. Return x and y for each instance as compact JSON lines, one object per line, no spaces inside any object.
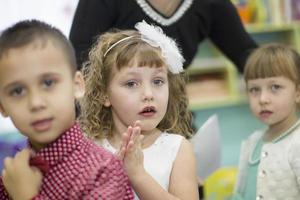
{"x":170,"y":139}
{"x":186,"y":146}
{"x":296,"y":134}
{"x":294,"y":142}
{"x":181,"y":144}
{"x":171,"y":136}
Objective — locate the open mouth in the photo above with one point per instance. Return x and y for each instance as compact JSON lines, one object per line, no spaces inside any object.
{"x":150,"y":110}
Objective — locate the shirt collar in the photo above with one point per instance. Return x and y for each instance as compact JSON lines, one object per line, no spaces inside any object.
{"x":64,"y":145}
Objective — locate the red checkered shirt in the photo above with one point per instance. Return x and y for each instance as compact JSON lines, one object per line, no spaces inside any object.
{"x":80,"y":169}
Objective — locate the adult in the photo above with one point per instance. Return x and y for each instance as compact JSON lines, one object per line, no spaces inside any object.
{"x":189,"y":22}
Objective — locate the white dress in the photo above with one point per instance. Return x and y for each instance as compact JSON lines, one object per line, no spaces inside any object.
{"x":158,"y":158}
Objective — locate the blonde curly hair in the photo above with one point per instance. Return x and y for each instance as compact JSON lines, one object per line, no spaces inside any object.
{"x":96,"y":118}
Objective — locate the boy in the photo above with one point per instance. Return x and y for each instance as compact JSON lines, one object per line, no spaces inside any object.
{"x":38,"y":89}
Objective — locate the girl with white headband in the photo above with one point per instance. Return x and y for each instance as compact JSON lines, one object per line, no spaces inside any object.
{"x":136,"y":106}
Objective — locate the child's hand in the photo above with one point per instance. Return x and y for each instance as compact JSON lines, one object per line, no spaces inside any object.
{"x":131,"y":150}
{"x":20,"y":180}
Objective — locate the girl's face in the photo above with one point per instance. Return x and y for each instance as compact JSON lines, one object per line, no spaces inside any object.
{"x":138,"y":93}
{"x":273,"y":100}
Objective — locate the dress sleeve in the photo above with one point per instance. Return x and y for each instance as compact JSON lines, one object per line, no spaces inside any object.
{"x":92,"y":17}
{"x":111,"y":183}
{"x":228,"y":33}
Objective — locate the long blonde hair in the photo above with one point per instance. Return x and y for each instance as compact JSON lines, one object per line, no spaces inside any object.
{"x":96,"y":119}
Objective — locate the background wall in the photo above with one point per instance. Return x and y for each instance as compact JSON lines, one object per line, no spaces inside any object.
{"x":59,"y":13}
{"x":56,"y":12}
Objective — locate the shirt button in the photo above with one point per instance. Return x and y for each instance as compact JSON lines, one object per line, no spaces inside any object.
{"x":259,"y":197}
{"x":264,"y":154}
{"x":262,"y":173}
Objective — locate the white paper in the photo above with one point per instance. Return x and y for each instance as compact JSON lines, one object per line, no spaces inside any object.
{"x":207,"y":147}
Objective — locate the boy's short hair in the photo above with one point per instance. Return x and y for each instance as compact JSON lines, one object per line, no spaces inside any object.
{"x":28,"y":31}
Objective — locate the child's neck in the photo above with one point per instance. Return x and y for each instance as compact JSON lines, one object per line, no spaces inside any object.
{"x":148,"y":139}
{"x":277,"y":130}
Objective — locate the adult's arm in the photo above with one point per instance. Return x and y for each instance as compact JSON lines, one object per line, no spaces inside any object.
{"x":228,"y":33}
{"x":92,"y":17}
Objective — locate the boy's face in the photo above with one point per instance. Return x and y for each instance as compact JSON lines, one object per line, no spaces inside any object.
{"x":138,"y":93}
{"x":38,"y":91}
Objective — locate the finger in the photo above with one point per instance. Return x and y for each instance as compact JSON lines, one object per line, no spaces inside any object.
{"x":137,"y":123}
{"x":130,"y":146}
{"x":121,"y":153}
{"x":21,"y":155}
{"x":126,"y":137}
{"x":136,"y":132}
{"x":36,"y":171}
{"x":8,"y":161}
{"x":134,"y":141}
{"x":25,"y":154}
{"x":22,"y":158}
{"x":130,"y":136}
{"x":141,"y":138}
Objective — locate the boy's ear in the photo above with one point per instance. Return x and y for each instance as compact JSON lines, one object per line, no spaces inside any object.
{"x":79,"y":85}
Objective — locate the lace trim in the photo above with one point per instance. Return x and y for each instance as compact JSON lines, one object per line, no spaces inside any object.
{"x":159,"y":18}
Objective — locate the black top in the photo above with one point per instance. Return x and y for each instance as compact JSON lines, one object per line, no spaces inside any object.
{"x":191,"y":23}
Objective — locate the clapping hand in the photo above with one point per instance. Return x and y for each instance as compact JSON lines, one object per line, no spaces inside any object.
{"x":131,"y":150}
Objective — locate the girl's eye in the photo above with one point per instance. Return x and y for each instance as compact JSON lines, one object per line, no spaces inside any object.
{"x":17,"y":91}
{"x":158,"y":82}
{"x":275,"y":87}
{"x":253,"y":90}
{"x":131,"y":84}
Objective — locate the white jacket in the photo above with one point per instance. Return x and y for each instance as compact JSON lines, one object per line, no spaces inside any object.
{"x":278,"y":173}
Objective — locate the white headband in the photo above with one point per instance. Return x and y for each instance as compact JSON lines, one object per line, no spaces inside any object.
{"x":115,"y":44}
{"x":155,"y":37}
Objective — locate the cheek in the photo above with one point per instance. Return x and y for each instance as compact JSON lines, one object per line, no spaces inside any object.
{"x":253,"y":106}
{"x":14,"y":107}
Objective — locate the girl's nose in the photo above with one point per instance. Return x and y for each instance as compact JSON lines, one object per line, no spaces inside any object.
{"x":148,"y":94}
{"x":264,"y":97}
